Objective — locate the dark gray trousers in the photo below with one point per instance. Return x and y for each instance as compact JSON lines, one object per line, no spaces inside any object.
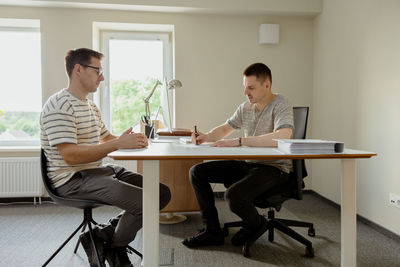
{"x":244,"y":182}
{"x":114,"y":185}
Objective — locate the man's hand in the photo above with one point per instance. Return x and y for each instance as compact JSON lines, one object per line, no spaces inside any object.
{"x":226,"y":143}
{"x":201,"y":138}
{"x":129,"y":139}
{"x":214,"y":135}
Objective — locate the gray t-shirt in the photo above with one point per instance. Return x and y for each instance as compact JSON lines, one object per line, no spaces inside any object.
{"x":276,"y":115}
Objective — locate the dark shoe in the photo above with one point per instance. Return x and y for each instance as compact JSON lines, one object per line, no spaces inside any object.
{"x":104,"y":231}
{"x":241,"y":236}
{"x":205,"y":238}
{"x":118,"y":257}
{"x":249,"y":234}
{"x":114,"y":221}
{"x":90,"y":250}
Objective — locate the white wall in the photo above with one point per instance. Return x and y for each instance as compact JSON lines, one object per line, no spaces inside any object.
{"x":355,"y":99}
{"x":211,"y":54}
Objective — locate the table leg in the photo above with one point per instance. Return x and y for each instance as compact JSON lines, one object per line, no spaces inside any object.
{"x":348,"y":214}
{"x":151,"y":227}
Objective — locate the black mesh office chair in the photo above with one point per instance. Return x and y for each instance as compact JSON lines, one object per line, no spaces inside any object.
{"x":86,"y":205}
{"x":274,"y":198}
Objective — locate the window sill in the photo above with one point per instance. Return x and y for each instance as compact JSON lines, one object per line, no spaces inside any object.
{"x":19,"y":148}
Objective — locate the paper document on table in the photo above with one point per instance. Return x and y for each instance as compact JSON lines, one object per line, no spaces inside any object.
{"x":191,"y":145}
{"x":309,"y":146}
{"x":162,"y":140}
{"x":185,"y":140}
{"x":278,"y":151}
{"x":188,"y":141}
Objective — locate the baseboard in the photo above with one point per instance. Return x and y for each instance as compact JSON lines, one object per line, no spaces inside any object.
{"x":360,"y":218}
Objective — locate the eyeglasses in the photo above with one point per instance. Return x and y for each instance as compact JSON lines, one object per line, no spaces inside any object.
{"x":99,"y":70}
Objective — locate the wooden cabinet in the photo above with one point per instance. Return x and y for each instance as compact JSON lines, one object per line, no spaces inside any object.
{"x":175,"y":174}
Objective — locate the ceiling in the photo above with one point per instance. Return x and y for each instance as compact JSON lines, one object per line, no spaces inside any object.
{"x":246,"y":7}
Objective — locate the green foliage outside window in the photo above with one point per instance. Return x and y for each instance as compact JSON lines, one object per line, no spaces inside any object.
{"x":3,"y":128}
{"x":27,"y":122}
{"x":128,"y":105}
{"x":127,"y":108}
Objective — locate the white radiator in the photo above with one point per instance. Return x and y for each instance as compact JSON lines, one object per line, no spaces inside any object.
{"x":20,"y":177}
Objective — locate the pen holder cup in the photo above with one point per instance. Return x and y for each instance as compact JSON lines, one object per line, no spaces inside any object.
{"x":147,"y":130}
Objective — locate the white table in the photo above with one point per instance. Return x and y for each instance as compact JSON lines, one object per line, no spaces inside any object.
{"x":176,"y":150}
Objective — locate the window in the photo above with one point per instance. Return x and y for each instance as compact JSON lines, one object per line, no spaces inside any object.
{"x":20,"y":85}
{"x":133,"y":63}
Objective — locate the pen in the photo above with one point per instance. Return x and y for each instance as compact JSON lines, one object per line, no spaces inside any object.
{"x":196,"y":134}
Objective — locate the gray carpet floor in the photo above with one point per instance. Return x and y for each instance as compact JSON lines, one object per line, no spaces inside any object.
{"x":29,"y":234}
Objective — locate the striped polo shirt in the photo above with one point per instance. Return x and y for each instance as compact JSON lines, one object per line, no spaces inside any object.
{"x":68,"y":119}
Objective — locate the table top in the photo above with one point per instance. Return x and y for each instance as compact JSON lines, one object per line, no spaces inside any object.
{"x":177,"y":150}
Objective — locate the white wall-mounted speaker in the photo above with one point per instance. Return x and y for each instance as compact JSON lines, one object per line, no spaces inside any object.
{"x":269,"y":34}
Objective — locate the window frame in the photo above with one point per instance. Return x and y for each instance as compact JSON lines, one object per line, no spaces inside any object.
{"x":9,"y":26}
{"x":102,"y":96}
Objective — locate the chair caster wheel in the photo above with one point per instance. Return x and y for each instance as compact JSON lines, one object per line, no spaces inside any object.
{"x":309,"y":252}
{"x":246,"y":250}
{"x":225,"y":231}
{"x":271,"y":235}
{"x":311,"y":232}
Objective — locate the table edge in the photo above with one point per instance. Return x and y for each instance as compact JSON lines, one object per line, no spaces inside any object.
{"x":258,"y":157}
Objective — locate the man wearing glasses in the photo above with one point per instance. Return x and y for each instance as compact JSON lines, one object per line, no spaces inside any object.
{"x":75,"y":141}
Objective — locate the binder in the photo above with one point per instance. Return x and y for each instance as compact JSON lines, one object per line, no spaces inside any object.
{"x":309,"y":146}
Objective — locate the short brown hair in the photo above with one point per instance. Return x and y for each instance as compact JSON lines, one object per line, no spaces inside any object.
{"x":80,"y":56}
{"x":260,"y":70}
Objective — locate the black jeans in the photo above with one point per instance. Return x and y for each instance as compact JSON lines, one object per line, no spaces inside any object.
{"x":115,"y":186}
{"x":244,"y":182}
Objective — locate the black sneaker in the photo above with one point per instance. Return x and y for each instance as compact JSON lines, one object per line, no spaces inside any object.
{"x":205,"y":238}
{"x":241,"y":236}
{"x":104,"y":231}
{"x":249,"y":234}
{"x":118,"y":257}
{"x":90,"y":251}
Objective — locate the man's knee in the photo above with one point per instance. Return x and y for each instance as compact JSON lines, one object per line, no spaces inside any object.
{"x":165,"y":195}
{"x":196,"y":173}
{"x":193,"y":174}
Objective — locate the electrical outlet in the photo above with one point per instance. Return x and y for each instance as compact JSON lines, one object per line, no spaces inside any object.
{"x":394,"y":200}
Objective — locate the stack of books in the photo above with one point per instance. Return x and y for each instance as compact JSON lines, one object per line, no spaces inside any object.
{"x":309,"y":146}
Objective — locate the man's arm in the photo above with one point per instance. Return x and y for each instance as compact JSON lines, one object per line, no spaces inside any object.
{"x":257,"y":141}
{"x":80,"y":154}
{"x":108,"y":138}
{"x":215,"y":134}
{"x":266,"y":139}
{"x":219,"y":132}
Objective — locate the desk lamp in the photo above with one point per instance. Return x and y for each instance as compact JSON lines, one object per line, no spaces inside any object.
{"x":149,"y":127}
{"x":173,"y":84}
{"x":147,"y":104}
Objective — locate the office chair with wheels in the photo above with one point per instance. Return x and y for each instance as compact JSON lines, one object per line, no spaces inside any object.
{"x":86,"y":205}
{"x":274,"y":198}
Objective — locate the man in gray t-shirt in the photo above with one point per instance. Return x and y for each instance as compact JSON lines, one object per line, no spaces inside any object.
{"x":263,"y":117}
